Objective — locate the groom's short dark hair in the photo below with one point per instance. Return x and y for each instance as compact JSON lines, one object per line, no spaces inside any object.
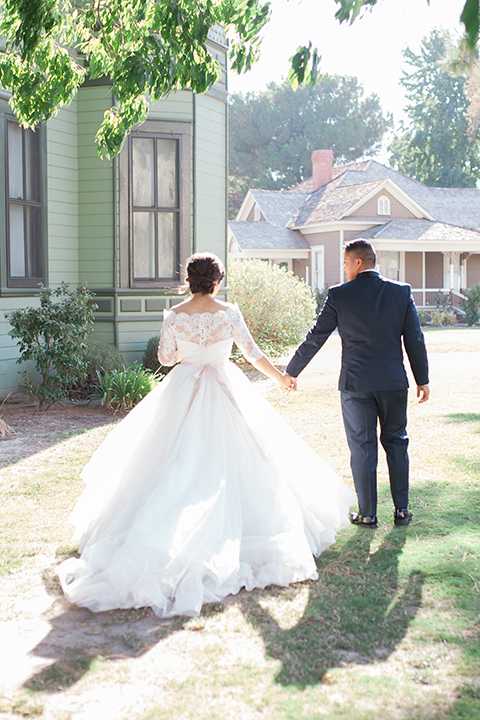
{"x":362,"y":249}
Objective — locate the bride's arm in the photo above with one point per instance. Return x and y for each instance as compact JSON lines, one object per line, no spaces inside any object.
{"x":167,"y":346}
{"x":244,"y":340}
{"x":266,"y":367}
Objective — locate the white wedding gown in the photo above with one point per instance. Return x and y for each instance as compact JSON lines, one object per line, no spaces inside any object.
{"x":202,"y":489}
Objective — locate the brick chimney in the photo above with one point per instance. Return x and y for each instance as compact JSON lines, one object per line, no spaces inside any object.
{"x":322,"y":163}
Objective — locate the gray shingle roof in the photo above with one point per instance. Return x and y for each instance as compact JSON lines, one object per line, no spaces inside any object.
{"x":266,"y":236}
{"x":454,"y":206}
{"x":278,"y":207}
{"x":424,"y":230}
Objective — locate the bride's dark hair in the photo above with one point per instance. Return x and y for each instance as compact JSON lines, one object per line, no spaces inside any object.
{"x":203,"y":271}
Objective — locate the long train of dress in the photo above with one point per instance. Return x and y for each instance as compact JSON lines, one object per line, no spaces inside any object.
{"x":201,"y":490}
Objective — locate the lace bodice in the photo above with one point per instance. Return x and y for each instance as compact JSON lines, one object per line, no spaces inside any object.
{"x":205,"y":338}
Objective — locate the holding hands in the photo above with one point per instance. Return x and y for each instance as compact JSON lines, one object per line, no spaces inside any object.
{"x":287,"y":382}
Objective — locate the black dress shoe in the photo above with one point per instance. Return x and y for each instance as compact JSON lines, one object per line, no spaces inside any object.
{"x":363,"y":520}
{"x":402,"y":516}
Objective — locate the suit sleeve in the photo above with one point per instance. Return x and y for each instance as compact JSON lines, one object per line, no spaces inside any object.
{"x":415,"y":344}
{"x":326,"y":323}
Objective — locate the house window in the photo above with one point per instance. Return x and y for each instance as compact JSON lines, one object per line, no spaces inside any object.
{"x":25,"y":242}
{"x":390,"y":265}
{"x":155,"y":208}
{"x":383,"y":205}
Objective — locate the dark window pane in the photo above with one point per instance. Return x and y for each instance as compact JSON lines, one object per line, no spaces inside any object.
{"x":34,"y":242}
{"x":167,"y":245}
{"x":167,"y":173}
{"x":143,"y":175}
{"x":144,"y":245}
{"x":32,"y":165}
{"x":15,"y":161}
{"x":17,"y":242}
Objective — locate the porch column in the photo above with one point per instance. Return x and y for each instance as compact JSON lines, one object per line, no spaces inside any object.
{"x":424,"y":279}
{"x":381,"y":255}
{"x":463,"y":270}
{"x":454,"y":270}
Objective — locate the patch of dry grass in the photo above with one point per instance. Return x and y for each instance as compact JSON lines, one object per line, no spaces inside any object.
{"x":388,"y":631}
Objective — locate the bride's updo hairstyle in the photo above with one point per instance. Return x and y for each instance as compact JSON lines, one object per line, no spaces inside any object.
{"x":203,"y":271}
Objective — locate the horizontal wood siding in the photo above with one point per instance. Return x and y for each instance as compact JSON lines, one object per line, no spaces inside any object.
{"x":413,"y":269}
{"x":9,"y":377}
{"x":369,"y":209}
{"x":300,"y":268}
{"x":210,"y":185}
{"x":62,"y":194}
{"x":177,"y":106}
{"x":433,"y":270}
{"x":95,"y":197}
{"x":134,"y":336}
{"x":473,"y":270}
{"x":104,"y":332}
{"x":331,"y":242}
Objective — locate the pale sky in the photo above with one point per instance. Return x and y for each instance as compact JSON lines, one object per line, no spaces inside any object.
{"x":370,"y":49}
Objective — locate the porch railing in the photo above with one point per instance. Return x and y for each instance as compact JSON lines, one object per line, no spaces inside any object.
{"x":428,"y":298}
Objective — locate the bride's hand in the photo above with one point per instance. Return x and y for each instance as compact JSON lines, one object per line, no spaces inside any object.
{"x":287,"y":383}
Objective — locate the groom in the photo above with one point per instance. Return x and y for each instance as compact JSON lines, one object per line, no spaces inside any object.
{"x":372,"y":314}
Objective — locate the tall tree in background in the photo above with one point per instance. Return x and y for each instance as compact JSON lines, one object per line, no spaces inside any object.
{"x":435,"y":146}
{"x":273,"y":132}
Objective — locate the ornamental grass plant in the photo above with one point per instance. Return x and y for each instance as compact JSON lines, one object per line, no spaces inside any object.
{"x":123,"y":389}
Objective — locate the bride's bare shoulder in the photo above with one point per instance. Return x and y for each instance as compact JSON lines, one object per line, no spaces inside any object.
{"x":181,"y":306}
{"x":221,"y":305}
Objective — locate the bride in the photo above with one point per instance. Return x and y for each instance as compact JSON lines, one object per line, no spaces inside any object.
{"x":202,"y":489}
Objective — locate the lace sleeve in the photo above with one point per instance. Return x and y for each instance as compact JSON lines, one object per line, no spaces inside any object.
{"x":242,"y":336}
{"x":167,"y":345}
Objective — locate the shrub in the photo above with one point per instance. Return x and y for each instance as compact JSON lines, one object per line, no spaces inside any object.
{"x":278,"y":307}
{"x":320,"y":297}
{"x":53,"y":337}
{"x":423,"y":317}
{"x":443,"y":317}
{"x":97,"y":357}
{"x":472,"y":304}
{"x":125,"y":388}
{"x":150,"y":359}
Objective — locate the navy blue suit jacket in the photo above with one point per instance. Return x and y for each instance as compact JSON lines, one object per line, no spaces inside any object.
{"x":372,"y":314}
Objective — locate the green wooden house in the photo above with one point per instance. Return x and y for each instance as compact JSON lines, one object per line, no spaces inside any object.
{"x":124,"y":227}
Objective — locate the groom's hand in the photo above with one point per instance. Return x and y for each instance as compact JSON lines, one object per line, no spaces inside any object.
{"x":423,"y":392}
{"x":292,"y":382}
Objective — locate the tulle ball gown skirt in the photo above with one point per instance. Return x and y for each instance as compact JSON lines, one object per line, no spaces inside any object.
{"x":201,"y":490}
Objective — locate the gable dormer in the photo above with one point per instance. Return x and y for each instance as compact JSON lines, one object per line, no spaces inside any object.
{"x":250,"y":210}
{"x":388,"y":202}
{"x":255,"y":214}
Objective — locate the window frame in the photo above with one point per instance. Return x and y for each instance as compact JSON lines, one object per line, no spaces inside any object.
{"x":383,"y":205}
{"x":26,"y":282}
{"x":176,"y":130}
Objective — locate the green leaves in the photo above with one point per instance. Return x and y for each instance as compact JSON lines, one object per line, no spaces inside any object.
{"x":53,"y":337}
{"x":277,"y":306}
{"x":272,"y":133}
{"x":299,"y":71}
{"x":435,"y":147}
{"x":470,"y":18}
{"x":125,"y":388}
{"x":350,"y":9}
{"x":146,"y":48}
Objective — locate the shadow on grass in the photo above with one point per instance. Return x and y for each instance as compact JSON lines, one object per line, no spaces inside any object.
{"x":464,"y":418}
{"x":44,"y":429}
{"x":358,"y":611}
{"x":368,"y":593}
{"x":361,"y":607}
{"x":80,"y":641}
